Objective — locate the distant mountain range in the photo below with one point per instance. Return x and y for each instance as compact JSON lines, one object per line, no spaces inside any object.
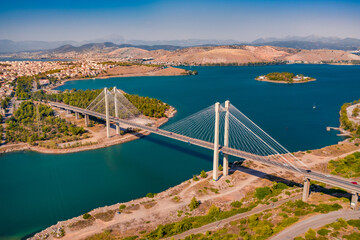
{"x":110,"y":46}
{"x":309,"y":42}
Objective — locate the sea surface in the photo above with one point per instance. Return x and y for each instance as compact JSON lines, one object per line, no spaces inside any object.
{"x":37,"y":190}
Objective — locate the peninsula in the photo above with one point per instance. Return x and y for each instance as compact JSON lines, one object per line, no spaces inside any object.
{"x":284,"y":77}
{"x":40,"y":127}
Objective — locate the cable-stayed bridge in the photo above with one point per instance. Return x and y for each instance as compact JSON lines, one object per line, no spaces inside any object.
{"x":220,"y":127}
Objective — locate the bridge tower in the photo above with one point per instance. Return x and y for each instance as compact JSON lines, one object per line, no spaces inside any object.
{"x":216,"y":142}
{"x":226,"y":139}
{"x":107,"y":112}
{"x":116,"y":112}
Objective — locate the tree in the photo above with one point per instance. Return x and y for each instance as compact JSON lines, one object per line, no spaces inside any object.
{"x":220,"y":167}
{"x":194,"y":204}
{"x":356,"y":111}
{"x":203,"y":174}
{"x":310,"y":235}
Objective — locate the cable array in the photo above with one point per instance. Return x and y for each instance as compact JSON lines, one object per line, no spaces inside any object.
{"x":118,"y":105}
{"x":244,"y":135}
{"x":245,"y":138}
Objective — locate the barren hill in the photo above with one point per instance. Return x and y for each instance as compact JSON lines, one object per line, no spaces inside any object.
{"x":322,"y":55}
{"x":245,"y":54}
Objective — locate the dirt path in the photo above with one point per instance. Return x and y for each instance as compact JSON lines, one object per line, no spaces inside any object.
{"x":315,"y":222}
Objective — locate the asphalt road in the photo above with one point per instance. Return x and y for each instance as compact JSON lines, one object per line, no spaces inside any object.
{"x":315,"y":222}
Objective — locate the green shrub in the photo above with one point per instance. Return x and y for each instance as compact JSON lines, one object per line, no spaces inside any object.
{"x":122,"y":206}
{"x":323,"y":232}
{"x":203,"y":174}
{"x":261,"y":193}
{"x":195,"y":178}
{"x":86,"y":216}
{"x":310,"y":235}
{"x":325,"y":208}
{"x":280,"y":186}
{"x":353,"y":236}
{"x":213,"y":210}
{"x":354,"y":223}
{"x":227,"y":180}
{"x":194,"y":204}
{"x":150,"y":195}
{"x":236,"y":204}
{"x":220,"y":167}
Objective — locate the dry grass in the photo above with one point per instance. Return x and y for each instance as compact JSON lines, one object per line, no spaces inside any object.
{"x":105,"y":216}
{"x":81,"y":224}
{"x":130,"y":209}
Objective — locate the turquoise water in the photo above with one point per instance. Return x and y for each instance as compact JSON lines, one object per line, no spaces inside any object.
{"x":40,"y":189}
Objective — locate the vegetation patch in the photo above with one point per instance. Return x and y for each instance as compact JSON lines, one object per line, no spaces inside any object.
{"x":105,"y":216}
{"x":34,"y":123}
{"x":106,"y":235}
{"x":347,"y":167}
{"x":81,"y":224}
{"x":346,"y":123}
{"x":150,"y":107}
{"x":340,"y":229}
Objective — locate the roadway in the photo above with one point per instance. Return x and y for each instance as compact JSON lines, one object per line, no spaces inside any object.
{"x":328,"y":179}
{"x":315,"y":222}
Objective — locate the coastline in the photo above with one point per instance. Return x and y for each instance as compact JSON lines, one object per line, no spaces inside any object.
{"x":184,"y":191}
{"x":157,"y":72}
{"x":284,"y":82}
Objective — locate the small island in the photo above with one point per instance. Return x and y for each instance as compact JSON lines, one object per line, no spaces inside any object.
{"x":285,"y":77}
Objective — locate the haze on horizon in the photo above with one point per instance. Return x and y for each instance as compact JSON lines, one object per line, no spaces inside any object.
{"x":175,"y":20}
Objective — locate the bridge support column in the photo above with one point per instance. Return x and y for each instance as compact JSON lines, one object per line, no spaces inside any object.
{"x":107,"y":113}
{"x":116,"y":113}
{"x":68,"y":112}
{"x":216,"y":143}
{"x":354,"y":201}
{"x":86,"y":117}
{"x":77,"y":115}
{"x":306,"y":190}
{"x":226,"y":139}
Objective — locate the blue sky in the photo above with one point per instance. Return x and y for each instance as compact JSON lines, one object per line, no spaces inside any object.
{"x":169,"y":20}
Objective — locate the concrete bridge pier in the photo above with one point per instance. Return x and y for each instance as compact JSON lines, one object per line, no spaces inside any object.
{"x":86,"y":117}
{"x":77,"y":115}
{"x":354,"y":200}
{"x":68,"y":112}
{"x":306,"y":189}
{"x":226,"y":139}
{"x":216,"y":143}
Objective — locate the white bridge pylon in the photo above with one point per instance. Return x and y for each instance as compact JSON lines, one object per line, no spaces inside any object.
{"x":113,"y":103}
{"x":228,"y":128}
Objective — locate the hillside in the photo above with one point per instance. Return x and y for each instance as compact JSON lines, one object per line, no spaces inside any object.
{"x":245,"y":54}
{"x":202,"y":55}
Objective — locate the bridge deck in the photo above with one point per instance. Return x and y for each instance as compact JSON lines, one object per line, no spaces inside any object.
{"x":331,"y":180}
